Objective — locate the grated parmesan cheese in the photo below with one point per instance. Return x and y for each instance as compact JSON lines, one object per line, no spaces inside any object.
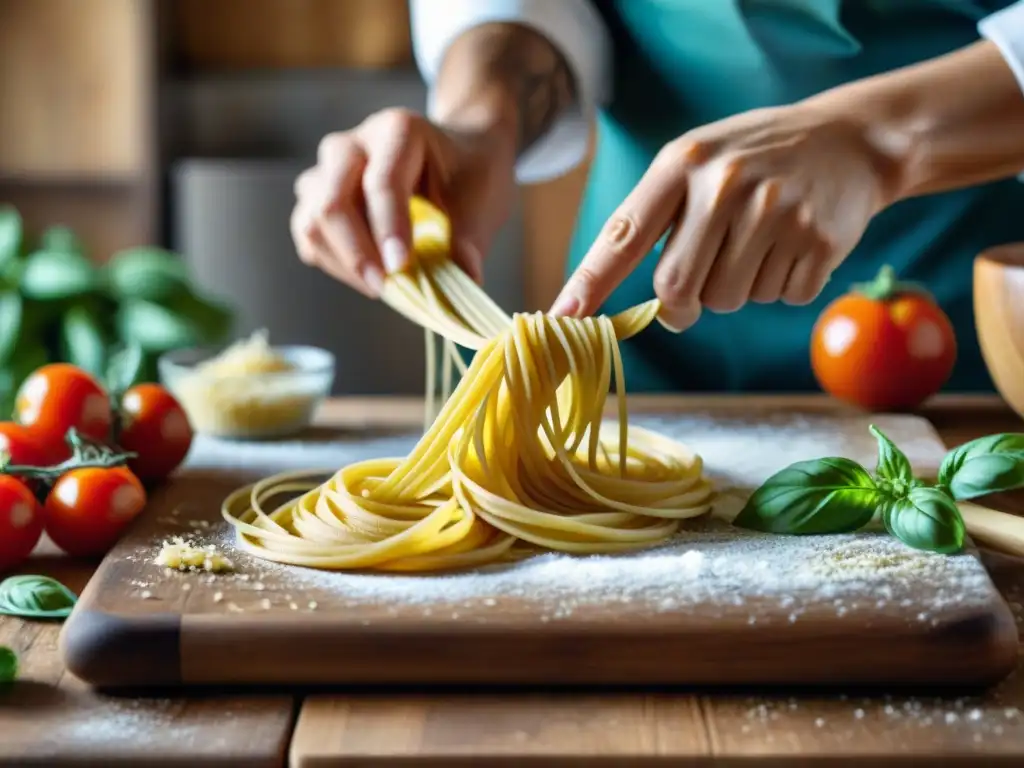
{"x":180,"y":555}
{"x":245,"y":357}
{"x":232,"y":395}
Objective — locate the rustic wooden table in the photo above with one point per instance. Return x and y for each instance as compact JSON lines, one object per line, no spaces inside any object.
{"x":50,"y":719}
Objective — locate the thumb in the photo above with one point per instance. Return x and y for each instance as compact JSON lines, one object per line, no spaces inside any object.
{"x":469,"y":255}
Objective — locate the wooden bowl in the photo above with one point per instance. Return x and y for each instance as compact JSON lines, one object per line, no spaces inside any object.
{"x":999,"y":318}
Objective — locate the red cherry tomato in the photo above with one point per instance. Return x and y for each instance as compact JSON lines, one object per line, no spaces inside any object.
{"x":23,"y":446}
{"x":884,"y":346}
{"x":88,"y":509}
{"x":155,"y":427}
{"x":21,"y":522}
{"x":57,"y":397}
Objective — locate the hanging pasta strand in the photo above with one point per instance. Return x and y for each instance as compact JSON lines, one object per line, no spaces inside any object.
{"x":515,"y":457}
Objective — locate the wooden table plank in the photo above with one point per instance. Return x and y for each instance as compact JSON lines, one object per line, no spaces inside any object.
{"x":721,"y":730}
{"x":523,"y":729}
{"x":49,"y":718}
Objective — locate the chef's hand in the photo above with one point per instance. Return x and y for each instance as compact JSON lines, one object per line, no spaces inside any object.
{"x":351,"y":218}
{"x":761,"y":206}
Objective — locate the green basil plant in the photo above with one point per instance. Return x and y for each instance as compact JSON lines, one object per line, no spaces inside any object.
{"x":838,"y":495}
{"x":56,"y":304}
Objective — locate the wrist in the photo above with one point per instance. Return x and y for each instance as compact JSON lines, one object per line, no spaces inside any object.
{"x":487,"y":114}
{"x":884,"y":130}
{"x":929,"y":141}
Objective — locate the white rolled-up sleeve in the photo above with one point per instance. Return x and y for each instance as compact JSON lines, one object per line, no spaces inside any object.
{"x":1005,"y":29}
{"x":573,"y":26}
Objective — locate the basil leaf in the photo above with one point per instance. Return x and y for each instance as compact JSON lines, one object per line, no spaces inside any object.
{"x":60,"y":238}
{"x":8,"y":665}
{"x":82,"y":340}
{"x":211,"y":318}
{"x":986,"y":465}
{"x":124,"y":369}
{"x":893,"y":464}
{"x":55,"y":275}
{"x":148,"y":273}
{"x":832,"y":495}
{"x":10,"y":234}
{"x":154,"y":327}
{"x":36,"y":597}
{"x":11,"y":311}
{"x":926,"y":519}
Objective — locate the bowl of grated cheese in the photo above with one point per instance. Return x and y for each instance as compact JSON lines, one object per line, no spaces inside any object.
{"x":250,"y":390}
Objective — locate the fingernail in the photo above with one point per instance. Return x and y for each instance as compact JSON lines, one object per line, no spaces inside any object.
{"x":668,"y":326}
{"x":680,"y":318}
{"x":394,"y":255}
{"x":565,"y":305}
{"x":373,"y":278}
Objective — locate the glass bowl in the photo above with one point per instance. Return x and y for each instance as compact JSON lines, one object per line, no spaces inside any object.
{"x":253,"y":406}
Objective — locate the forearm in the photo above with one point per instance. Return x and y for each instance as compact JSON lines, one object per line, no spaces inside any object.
{"x":947,"y":123}
{"x":503,"y":77}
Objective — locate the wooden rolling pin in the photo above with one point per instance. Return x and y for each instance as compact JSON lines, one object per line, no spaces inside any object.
{"x":995,"y":530}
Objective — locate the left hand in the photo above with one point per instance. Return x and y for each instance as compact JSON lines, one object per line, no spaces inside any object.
{"x":762,"y":206}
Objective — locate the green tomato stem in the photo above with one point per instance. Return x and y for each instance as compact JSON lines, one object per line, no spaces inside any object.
{"x":886,"y":286}
{"x":54,"y":472}
{"x":85,"y":455}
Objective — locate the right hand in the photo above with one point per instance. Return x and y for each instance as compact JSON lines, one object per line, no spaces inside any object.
{"x":351,"y":218}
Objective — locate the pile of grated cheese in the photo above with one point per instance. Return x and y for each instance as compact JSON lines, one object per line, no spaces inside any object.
{"x":183,"y":556}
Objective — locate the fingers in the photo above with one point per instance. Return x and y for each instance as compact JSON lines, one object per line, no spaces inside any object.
{"x":352,"y":212}
{"x":748,"y":243}
{"x":392,"y":171}
{"x":339,"y":216}
{"x":809,"y":275}
{"x":791,"y":244}
{"x":630,"y":233}
{"x":328,"y":229}
{"x":695,"y":245}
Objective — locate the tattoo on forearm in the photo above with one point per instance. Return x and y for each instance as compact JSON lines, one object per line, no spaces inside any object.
{"x":542,"y":84}
{"x":533,"y":71}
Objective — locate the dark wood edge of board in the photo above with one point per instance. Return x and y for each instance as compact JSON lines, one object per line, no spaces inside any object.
{"x":114,"y":651}
{"x":107,"y":650}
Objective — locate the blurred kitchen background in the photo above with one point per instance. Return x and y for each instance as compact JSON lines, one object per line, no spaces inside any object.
{"x":183,"y":123}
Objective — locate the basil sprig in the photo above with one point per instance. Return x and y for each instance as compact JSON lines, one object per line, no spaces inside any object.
{"x":838,"y":495}
{"x":8,"y":665}
{"x":36,"y":597}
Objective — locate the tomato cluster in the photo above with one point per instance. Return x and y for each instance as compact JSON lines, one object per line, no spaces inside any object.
{"x":83,"y":506}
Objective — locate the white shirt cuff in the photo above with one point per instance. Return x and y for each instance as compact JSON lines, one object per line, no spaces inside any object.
{"x":1005,"y":29}
{"x":572,"y":26}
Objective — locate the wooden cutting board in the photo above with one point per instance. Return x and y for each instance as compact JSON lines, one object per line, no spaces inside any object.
{"x":715,"y":606}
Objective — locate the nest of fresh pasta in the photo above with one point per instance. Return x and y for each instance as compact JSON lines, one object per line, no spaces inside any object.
{"x":516,"y":457}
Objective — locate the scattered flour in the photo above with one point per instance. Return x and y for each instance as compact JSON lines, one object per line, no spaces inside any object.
{"x":708,"y":564}
{"x":104,"y":720}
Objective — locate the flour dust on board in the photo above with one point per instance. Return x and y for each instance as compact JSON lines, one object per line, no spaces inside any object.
{"x":708,"y":563}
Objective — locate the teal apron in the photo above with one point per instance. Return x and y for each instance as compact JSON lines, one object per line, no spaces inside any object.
{"x":684,"y":63}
